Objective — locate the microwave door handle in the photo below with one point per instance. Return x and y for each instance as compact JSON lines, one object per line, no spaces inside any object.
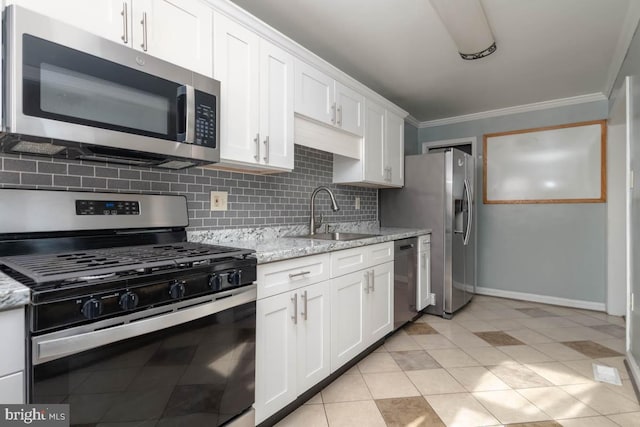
{"x":185,"y":114}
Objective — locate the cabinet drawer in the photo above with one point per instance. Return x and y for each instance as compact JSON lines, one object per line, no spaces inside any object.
{"x":380,"y":253}
{"x":424,"y":241}
{"x":287,"y":275}
{"x":349,"y":260}
{"x":12,"y":327}
{"x":12,"y":388}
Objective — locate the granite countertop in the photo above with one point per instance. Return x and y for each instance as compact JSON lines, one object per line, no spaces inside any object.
{"x":269,"y":250}
{"x":12,"y":293}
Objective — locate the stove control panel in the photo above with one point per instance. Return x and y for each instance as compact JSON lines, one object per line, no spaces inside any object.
{"x":107,"y":207}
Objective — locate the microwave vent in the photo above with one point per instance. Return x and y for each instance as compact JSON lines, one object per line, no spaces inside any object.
{"x":40,"y":148}
{"x":176,"y":164}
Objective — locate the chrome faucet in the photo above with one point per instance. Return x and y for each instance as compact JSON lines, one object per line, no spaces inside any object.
{"x":334,"y":206}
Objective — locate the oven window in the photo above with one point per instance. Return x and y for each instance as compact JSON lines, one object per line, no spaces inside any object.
{"x":197,"y":373}
{"x":67,"y":85}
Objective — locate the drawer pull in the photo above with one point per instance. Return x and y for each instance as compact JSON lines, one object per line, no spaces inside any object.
{"x":302,"y":273}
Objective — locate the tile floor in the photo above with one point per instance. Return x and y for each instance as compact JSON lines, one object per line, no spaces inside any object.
{"x":497,"y":362}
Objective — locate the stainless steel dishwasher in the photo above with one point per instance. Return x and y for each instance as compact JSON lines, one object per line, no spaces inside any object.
{"x":404,"y":281}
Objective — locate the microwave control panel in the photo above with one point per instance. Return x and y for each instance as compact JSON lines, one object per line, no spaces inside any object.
{"x":107,"y":207}
{"x":205,"y":119}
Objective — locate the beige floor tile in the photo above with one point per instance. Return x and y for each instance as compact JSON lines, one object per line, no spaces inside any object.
{"x":461,"y":410}
{"x":476,"y":325}
{"x":351,"y":414}
{"x":505,"y":324}
{"x":346,"y":388}
{"x":488,"y":356}
{"x":631,"y":419}
{"x":386,"y":385}
{"x":435,"y":381}
{"x":557,"y":402}
{"x":477,"y":378}
{"x":616,"y":344}
{"x":315,"y":400}
{"x":307,"y":415}
{"x":558,"y":351}
{"x":498,"y":338}
{"x":378,"y":362}
{"x":429,"y":342}
{"x":588,"y":422}
{"x":626,"y":390}
{"x":529,"y":336}
{"x":524,"y":354}
{"x":600,"y":398}
{"x":503,"y":313}
{"x":558,"y":373}
{"x":548,"y":323}
{"x":447,"y":329}
{"x":401,"y":342}
{"x":467,"y":339}
{"x":576,"y":333}
{"x":518,"y":376}
{"x":453,"y":358}
{"x":408,"y":411}
{"x":586,"y":320}
{"x":510,"y":407}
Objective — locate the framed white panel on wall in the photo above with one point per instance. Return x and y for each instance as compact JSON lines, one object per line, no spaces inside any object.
{"x":558,"y":164}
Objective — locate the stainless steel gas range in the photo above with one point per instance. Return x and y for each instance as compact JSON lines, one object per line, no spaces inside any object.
{"x":128,"y":321}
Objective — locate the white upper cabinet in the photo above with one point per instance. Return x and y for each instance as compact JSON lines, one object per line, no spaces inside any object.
{"x":374,"y":147}
{"x":177,"y":32}
{"x":326,"y":100}
{"x":256,"y":78}
{"x":394,"y":149}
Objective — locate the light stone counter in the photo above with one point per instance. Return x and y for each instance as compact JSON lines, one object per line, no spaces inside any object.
{"x":277,"y":247}
{"x":12,"y":293}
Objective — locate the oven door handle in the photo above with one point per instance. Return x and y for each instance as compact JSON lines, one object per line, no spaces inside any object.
{"x":49,"y":347}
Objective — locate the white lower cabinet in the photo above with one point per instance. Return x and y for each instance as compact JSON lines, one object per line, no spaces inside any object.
{"x":292,"y":346}
{"x":12,"y":361}
{"x":361,"y":311}
{"x":424,"y":272}
{"x":12,"y":388}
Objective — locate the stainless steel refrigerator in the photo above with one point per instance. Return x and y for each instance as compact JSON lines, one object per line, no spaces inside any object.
{"x":438,"y":193}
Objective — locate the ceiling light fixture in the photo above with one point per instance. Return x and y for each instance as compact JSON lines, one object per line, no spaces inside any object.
{"x":467,"y":24}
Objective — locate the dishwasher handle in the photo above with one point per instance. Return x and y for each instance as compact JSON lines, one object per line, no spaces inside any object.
{"x":406,"y":247}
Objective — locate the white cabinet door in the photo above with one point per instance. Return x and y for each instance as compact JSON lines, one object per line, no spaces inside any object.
{"x":275,"y":354}
{"x":179,"y":32}
{"x":276,"y":106}
{"x":394,"y":149}
{"x":12,"y":332}
{"x":12,"y":388}
{"x":379,"y":304}
{"x":110,"y":19}
{"x":236,"y":66}
{"x":350,"y":107}
{"x":373,"y":144}
{"x":347,"y":317}
{"x":314,"y":94}
{"x":313,"y":335}
{"x":424,"y":272}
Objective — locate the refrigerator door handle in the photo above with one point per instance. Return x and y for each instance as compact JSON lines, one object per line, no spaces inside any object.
{"x":467,"y":189}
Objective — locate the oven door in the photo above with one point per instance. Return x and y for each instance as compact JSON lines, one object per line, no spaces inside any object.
{"x":199,"y":371}
{"x":69,"y":85}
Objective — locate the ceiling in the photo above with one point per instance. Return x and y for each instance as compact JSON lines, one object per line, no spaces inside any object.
{"x":547,"y":49}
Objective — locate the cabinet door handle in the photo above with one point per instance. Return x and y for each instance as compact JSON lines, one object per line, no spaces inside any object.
{"x":125,"y":23}
{"x":340,"y":116}
{"x":373,"y":281}
{"x":144,"y":44}
{"x":302,"y":273}
{"x":257,"y":141}
{"x":333,"y":113}
{"x":294,"y":299}
{"x":266,"y":149}
{"x":366,"y":277}
{"x":304,"y":298}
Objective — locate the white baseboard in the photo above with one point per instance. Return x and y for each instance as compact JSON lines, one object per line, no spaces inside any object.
{"x":633,"y":367}
{"x":545,"y":299}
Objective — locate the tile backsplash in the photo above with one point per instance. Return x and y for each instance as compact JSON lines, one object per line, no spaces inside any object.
{"x":254,"y":200}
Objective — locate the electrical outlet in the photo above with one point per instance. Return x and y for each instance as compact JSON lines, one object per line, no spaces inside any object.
{"x":218,"y":201}
{"x":357,"y":203}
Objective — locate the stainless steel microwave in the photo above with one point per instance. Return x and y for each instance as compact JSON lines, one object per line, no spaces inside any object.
{"x":71,"y":94}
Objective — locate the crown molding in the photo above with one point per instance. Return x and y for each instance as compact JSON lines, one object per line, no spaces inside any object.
{"x":629,"y":28}
{"x":412,"y":121}
{"x":544,"y":105}
{"x":264,"y":30}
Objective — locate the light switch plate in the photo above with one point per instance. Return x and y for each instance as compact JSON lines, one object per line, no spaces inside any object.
{"x":218,"y":201}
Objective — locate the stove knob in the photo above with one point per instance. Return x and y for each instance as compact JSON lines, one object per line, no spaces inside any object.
{"x":235,"y":277}
{"x":215,"y":282}
{"x":128,"y":301}
{"x":176,"y":289}
{"x":92,"y":308}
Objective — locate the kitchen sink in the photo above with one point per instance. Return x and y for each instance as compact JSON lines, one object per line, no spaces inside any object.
{"x":337,"y":236}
